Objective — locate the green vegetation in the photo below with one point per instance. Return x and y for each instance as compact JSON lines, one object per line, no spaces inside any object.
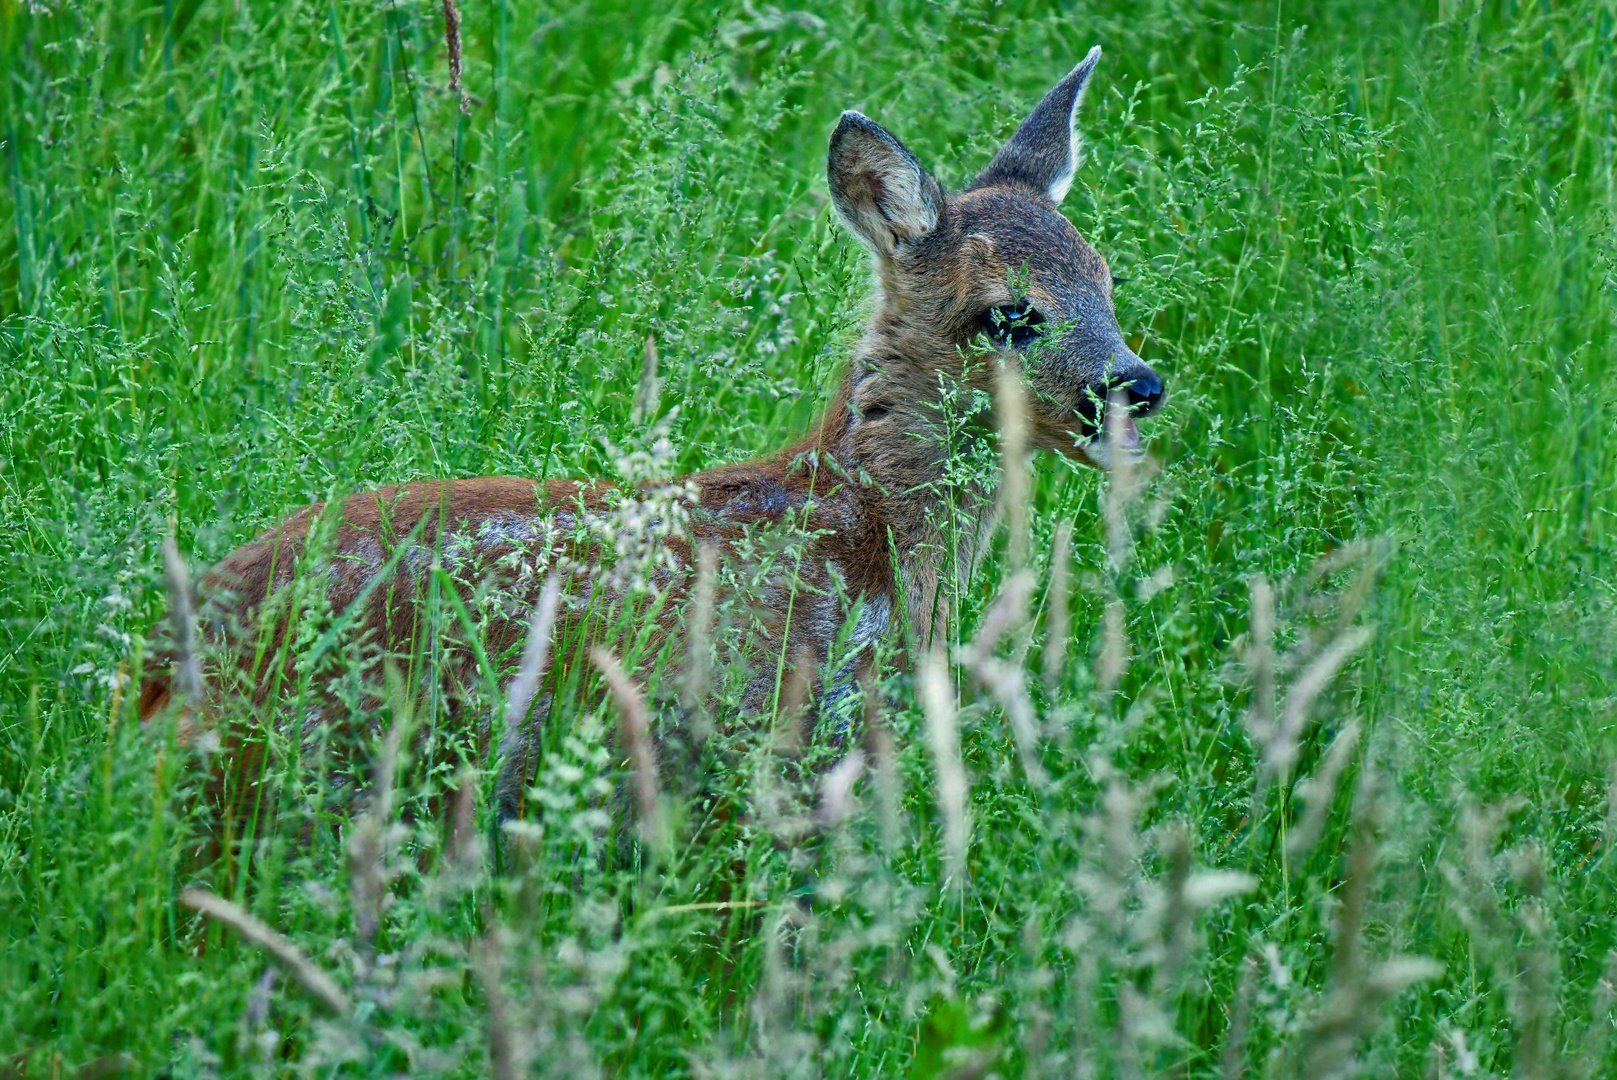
{"x":254,"y":255}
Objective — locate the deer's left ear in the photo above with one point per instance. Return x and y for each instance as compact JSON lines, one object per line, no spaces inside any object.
{"x":878,"y":187}
{"x":1043,"y":153}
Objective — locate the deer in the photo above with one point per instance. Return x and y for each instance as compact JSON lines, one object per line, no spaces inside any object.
{"x":992,"y":278}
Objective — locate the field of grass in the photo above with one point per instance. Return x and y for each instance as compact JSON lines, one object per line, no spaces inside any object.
{"x":1335,"y":797}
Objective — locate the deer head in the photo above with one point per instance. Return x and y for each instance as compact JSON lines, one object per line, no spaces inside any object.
{"x":995,"y":267}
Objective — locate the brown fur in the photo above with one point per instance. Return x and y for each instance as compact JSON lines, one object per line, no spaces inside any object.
{"x":861,"y":487}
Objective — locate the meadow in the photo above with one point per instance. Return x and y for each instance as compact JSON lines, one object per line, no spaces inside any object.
{"x":1324,"y":781}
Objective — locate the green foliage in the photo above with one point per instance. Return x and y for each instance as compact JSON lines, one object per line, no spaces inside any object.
{"x":255,"y":255}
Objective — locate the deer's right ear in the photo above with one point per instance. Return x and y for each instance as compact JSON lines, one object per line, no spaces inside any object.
{"x":878,"y":187}
{"x":1043,"y":154}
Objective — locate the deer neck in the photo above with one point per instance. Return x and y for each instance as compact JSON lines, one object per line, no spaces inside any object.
{"x":921,"y":453}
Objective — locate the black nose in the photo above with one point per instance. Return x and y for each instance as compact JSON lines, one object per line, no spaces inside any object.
{"x":1143,"y":393}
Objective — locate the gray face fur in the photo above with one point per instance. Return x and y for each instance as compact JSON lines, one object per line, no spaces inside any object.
{"x":998,"y":262}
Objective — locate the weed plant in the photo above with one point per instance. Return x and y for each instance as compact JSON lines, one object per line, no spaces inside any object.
{"x":1287,"y":754}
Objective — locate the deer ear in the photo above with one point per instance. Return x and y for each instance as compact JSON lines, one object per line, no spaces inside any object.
{"x":880,"y":190}
{"x":1044,"y":151}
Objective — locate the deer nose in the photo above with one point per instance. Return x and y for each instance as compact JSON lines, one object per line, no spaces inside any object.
{"x":1143,"y":393}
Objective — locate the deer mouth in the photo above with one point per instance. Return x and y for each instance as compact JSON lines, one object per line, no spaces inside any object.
{"x":1120,"y":430}
{"x":1116,"y":432}
{"x":1106,"y":415}
{"x":1102,"y":417}
{"x":1099,"y":427}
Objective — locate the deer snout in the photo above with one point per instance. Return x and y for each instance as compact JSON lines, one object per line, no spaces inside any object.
{"x":1131,"y":390}
{"x":1142,"y":392}
{"x":1131,"y":379}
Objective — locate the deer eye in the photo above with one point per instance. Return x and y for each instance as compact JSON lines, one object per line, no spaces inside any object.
{"x":1016,"y":325}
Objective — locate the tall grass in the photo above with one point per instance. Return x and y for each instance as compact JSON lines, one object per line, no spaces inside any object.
{"x":1289,"y":756}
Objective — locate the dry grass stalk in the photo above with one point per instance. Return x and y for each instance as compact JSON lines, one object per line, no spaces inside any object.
{"x":1355,"y":893}
{"x":1532,"y":992}
{"x":535,"y":655}
{"x":1260,"y":662}
{"x":1517,"y":944}
{"x":1281,"y":753}
{"x":303,"y":971}
{"x":1114,"y":648}
{"x":367,"y":884}
{"x":1466,"y":1062}
{"x":943,"y":737}
{"x":1596,"y":1037}
{"x":1140,"y":1023}
{"x":1122,"y":491}
{"x":776,"y":1043}
{"x":505,"y":1047}
{"x":711,"y":905}
{"x":1006,"y":681}
{"x":1011,"y":398}
{"x":1123,"y":485}
{"x":519,"y":743}
{"x":1101,"y":936}
{"x":1199,"y":892}
{"x":1319,"y":792}
{"x":836,"y":789}
{"x":182,"y":612}
{"x":792,"y":716}
{"x":1057,"y":614}
{"x":462,"y":847}
{"x":883,"y":760}
{"x":1177,"y":913}
{"x":452,"y":40}
{"x":648,"y":394}
{"x":1353,"y":1004}
{"x":367,"y":843}
{"x":1114,"y":835}
{"x":1232,"y":1059}
{"x":1471,"y":879}
{"x":258,"y":1002}
{"x":699,"y":640}
{"x":637,"y":735}
{"x":1007,"y":613}
{"x":1128,"y":923}
{"x":1352,"y":1011}
{"x":1372,"y":554}
{"x":1608,"y":834}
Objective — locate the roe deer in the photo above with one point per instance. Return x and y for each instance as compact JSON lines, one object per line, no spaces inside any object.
{"x":964,"y":283}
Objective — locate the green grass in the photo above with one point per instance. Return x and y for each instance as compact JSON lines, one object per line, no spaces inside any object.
{"x":253,"y":255}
